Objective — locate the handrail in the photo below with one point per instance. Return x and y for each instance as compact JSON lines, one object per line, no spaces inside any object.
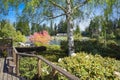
{"x":40,"y":58}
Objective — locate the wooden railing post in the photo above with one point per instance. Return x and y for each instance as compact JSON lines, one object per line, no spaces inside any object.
{"x":17,"y":64}
{"x":53,"y":73}
{"x":39,"y":68}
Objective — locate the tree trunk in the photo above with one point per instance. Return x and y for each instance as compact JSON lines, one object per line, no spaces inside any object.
{"x":70,"y":28}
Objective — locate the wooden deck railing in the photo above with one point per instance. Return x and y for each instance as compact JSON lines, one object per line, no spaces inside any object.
{"x":40,"y":59}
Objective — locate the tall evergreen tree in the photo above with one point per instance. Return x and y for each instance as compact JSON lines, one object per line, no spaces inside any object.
{"x":77,"y":30}
{"x":62,"y":27}
{"x":55,"y":29}
{"x":23,"y":27}
{"x":51,"y":28}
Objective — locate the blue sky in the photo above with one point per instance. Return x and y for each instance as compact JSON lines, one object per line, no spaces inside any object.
{"x":12,"y":14}
{"x":12,"y":17}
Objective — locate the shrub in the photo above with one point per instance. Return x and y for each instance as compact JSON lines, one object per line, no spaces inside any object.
{"x":87,"y":45}
{"x":111,"y":42}
{"x":111,"y":36}
{"x":94,"y":46}
{"x":53,"y":53}
{"x":89,"y":67}
{"x":28,"y":67}
{"x":31,"y":49}
{"x":19,"y":37}
{"x":40,"y":38}
{"x":53,"y":47}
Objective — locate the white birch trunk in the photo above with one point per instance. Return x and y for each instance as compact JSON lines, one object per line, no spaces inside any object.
{"x":70,"y":29}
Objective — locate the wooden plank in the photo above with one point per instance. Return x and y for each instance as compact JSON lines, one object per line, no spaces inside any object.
{"x":5,"y":76}
{"x":14,"y":78}
{"x":1,"y":68}
{"x":9,"y":77}
{"x":17,"y":65}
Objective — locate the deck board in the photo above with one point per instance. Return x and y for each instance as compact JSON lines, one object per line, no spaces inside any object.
{"x":1,"y":68}
{"x":4,"y":75}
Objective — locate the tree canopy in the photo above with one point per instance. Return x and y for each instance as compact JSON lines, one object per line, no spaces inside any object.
{"x":8,"y":31}
{"x":38,"y":10}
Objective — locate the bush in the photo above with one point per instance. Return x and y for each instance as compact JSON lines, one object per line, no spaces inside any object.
{"x":89,"y":67}
{"x":53,"y":47}
{"x":31,"y":49}
{"x":53,"y":53}
{"x":111,"y":42}
{"x":19,"y":37}
{"x":40,"y":38}
{"x":28,"y":67}
{"x":88,"y":45}
{"x":110,"y":36}
{"x":94,"y":46}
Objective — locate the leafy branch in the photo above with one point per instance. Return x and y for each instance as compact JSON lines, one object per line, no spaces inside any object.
{"x":59,"y":6}
{"x":80,"y":4}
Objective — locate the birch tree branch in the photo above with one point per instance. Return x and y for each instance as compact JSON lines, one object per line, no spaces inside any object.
{"x":80,"y":4}
{"x":53,"y":17}
{"x":59,"y":6}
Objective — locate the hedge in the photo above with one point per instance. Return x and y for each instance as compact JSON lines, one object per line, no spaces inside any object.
{"x":95,"y":46}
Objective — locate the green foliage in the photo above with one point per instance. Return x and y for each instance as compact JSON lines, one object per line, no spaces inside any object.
{"x":117,"y":33}
{"x":77,"y":33}
{"x":94,"y":28}
{"x":36,"y":28}
{"x":53,"y":47}
{"x":77,"y":30}
{"x":77,"y":36}
{"x":23,"y":27}
{"x":53,"y":53}
{"x":62,"y":27}
{"x":111,"y":42}
{"x":8,"y":31}
{"x":28,"y":67}
{"x":94,"y":46}
{"x":111,"y":36}
{"x":86,"y":66}
{"x":19,"y":37}
{"x":51,"y":30}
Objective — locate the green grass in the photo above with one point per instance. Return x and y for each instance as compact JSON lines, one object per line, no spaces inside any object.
{"x":60,"y":37}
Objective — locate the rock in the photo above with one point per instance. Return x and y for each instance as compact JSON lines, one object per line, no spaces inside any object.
{"x":73,"y":54}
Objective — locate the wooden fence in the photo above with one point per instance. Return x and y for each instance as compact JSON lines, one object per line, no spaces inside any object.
{"x":6,"y":46}
{"x":55,"y":68}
